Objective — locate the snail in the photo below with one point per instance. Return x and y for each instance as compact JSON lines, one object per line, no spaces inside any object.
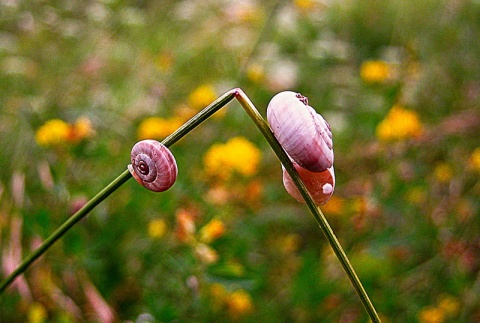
{"x":320,"y":185}
{"x":307,"y":139}
{"x":302,"y":132}
{"x":153,"y":165}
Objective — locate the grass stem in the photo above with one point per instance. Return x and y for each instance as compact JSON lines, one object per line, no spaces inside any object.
{"x":174,"y":137}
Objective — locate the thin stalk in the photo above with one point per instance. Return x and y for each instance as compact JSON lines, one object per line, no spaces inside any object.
{"x":110,"y":188}
{"x":317,"y":213}
{"x":170,"y":140}
{"x":70,"y":222}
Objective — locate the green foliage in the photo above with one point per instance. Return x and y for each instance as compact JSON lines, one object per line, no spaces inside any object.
{"x":405,"y":209}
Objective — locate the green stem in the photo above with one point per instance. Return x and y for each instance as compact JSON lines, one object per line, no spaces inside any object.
{"x":317,"y":213}
{"x":174,"y":137}
{"x":110,"y":188}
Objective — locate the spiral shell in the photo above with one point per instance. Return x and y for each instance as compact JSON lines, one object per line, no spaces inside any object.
{"x":301,"y":131}
{"x":320,"y":185}
{"x":153,"y":165}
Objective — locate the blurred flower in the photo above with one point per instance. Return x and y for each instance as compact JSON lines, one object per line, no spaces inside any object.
{"x":431,"y":314}
{"x":443,"y":172}
{"x":218,"y":294}
{"x":157,"y":128}
{"x":164,"y":61}
{"x":185,"y":229}
{"x":239,"y":303}
{"x":375,"y":71}
{"x":305,"y":5}
{"x":81,"y":129}
{"x":256,"y":73}
{"x":291,"y":243}
{"x":157,"y":228}
{"x":334,"y":206}
{"x":202,"y":96}
{"x":238,"y":155}
{"x":37,"y":313}
{"x":474,"y":160}
{"x":206,"y":254}
{"x":399,"y":124}
{"x":449,"y":304}
{"x":56,"y":131}
{"x":212,"y":231}
{"x":53,"y":132}
{"x":416,"y":195}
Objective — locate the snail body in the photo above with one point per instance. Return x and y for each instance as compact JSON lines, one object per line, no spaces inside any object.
{"x":320,"y":185}
{"x":153,"y":165}
{"x":301,"y":131}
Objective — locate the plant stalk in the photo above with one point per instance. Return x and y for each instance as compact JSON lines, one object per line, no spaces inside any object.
{"x":177,"y":135}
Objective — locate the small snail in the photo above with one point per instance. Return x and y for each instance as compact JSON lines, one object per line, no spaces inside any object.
{"x":301,"y":131}
{"x":153,"y":165}
{"x":319,"y":185}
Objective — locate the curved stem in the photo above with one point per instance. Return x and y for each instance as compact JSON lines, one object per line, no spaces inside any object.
{"x":177,"y":135}
{"x":317,"y":213}
{"x":110,"y":188}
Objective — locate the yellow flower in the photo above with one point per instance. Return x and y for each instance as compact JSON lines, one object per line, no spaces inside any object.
{"x":443,"y":172}
{"x":81,"y":129}
{"x":416,"y":195}
{"x":449,"y":304}
{"x":256,"y":73}
{"x":375,"y":71}
{"x":399,"y":124}
{"x":157,"y":128}
{"x":157,"y":228}
{"x":202,"y":96}
{"x":212,"y":231}
{"x":474,"y":160}
{"x":239,"y":304}
{"x":431,"y":314}
{"x":53,"y":132}
{"x":238,"y":155}
{"x":37,"y":313}
{"x":304,"y":5}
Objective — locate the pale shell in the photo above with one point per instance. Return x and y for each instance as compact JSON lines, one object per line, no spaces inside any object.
{"x":319,"y":185}
{"x":153,"y":165}
{"x":301,"y":131}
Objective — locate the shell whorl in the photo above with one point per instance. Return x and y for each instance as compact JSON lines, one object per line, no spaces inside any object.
{"x":153,"y":165}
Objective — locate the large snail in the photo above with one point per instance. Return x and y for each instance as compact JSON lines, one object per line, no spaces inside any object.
{"x":301,"y":131}
{"x":153,"y":165}
{"x":307,"y":139}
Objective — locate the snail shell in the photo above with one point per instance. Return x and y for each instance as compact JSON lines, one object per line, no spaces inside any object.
{"x":320,"y":185}
{"x":153,"y":165}
{"x":301,"y":131}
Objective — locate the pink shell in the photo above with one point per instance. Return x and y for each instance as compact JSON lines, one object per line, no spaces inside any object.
{"x":319,"y":185}
{"x":301,"y":131}
{"x":153,"y":165}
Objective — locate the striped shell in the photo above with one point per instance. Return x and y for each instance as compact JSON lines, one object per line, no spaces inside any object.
{"x":153,"y":165}
{"x":319,"y":185}
{"x":301,"y":131}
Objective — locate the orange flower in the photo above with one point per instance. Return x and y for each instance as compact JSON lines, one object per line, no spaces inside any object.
{"x":239,"y":304}
{"x":212,"y":231}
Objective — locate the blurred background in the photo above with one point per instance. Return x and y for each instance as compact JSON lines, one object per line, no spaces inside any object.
{"x":82,"y":81}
